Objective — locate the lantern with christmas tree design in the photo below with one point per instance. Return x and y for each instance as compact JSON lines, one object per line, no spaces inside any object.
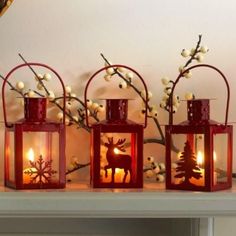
{"x":204,"y":161}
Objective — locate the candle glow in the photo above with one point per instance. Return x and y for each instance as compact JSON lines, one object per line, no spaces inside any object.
{"x":30,"y":154}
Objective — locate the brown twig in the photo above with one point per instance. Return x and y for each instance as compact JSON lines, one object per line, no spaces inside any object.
{"x":12,"y":87}
{"x":36,"y":75}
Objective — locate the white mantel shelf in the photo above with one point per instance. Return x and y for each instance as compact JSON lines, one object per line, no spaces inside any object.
{"x":80,"y":201}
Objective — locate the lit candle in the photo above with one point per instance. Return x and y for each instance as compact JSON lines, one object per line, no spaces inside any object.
{"x":119,"y":173}
{"x":201,"y":180}
{"x":215,"y":174}
{"x":30,"y":157}
{"x":200,"y":162}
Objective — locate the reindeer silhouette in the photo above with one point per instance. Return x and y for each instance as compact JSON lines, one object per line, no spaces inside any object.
{"x":114,"y":160}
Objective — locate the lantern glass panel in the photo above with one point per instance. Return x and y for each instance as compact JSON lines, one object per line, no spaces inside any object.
{"x":40,"y":157}
{"x":187,"y":166}
{"x":115,"y":153}
{"x":10,"y":155}
{"x":220,"y":156}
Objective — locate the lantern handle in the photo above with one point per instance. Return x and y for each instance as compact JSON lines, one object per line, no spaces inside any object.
{"x":8,"y":125}
{"x":186,"y":71}
{"x":116,"y":66}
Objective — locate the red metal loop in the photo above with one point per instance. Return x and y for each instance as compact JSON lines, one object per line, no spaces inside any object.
{"x":181,"y":75}
{"x":115,"y":66}
{"x":30,"y":64}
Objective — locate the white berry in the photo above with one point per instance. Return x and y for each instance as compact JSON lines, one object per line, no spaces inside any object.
{"x":39,"y":77}
{"x":71,"y":167}
{"x":165,"y":80}
{"x":204,"y":49}
{"x":31,"y":94}
{"x":68,"y":105}
{"x":188,"y":96}
{"x":175,"y":108}
{"x":162,"y":166}
{"x":160,"y":178}
{"x":101,"y":108}
{"x":110,"y":71}
{"x":67,"y":121}
{"x":143,"y":94}
{"x":199,"y":57}
{"x":163,"y":104}
{"x":174,"y":165}
{"x":51,"y":96}
{"x":20,"y":85}
{"x":89,"y":103}
{"x":60,"y":115}
{"x":107,"y":77}
{"x":157,"y":169}
{"x":165,"y":97}
{"x":188,"y":75}
{"x":154,"y":113}
{"x":39,"y":86}
{"x":193,"y":51}
{"x":149,"y":173}
{"x":167,"y":90}
{"x":73,"y":95}
{"x":122,"y":85}
{"x":95,"y":106}
{"x":129,"y":75}
{"x":47,"y":77}
{"x":68,"y":89}
{"x":181,"y":69}
{"x":185,"y":53}
{"x":150,"y":159}
{"x":84,"y":112}
{"x":75,"y":118}
{"x":121,"y":69}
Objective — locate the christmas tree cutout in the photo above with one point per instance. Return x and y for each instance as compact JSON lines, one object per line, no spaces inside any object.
{"x":187,"y":166}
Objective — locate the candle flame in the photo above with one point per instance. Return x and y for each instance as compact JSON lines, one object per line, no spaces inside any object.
{"x":117,"y":170}
{"x":31,"y":154}
{"x":200,"y":158}
{"x":214,"y":156}
{"x":116,"y":150}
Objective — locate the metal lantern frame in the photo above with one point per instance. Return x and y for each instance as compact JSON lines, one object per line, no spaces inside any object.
{"x":209,"y":129}
{"x":34,"y":122}
{"x":116,"y":126}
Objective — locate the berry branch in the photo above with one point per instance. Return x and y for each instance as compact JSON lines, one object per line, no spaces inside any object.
{"x":151,"y":110}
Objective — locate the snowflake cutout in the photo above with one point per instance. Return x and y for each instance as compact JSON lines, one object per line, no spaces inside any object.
{"x":41,"y":171}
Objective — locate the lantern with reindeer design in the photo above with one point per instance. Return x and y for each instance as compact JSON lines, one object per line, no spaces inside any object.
{"x":34,"y":145}
{"x":204,"y":161}
{"x":116,"y":144}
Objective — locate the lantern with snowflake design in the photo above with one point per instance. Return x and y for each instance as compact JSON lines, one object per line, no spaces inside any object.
{"x":204,"y":161}
{"x":34,"y":145}
{"x":117,"y":143}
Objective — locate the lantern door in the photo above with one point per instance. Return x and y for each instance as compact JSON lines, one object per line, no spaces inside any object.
{"x":204,"y":159}
{"x":39,"y":160}
{"x":186,"y":168}
{"x":117,"y":156}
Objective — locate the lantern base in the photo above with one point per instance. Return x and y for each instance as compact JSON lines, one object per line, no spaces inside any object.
{"x":218,"y":187}
{"x":35,"y":186}
{"x":117,"y":185}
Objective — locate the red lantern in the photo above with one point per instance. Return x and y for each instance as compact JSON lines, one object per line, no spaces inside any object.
{"x":204,"y":162}
{"x":114,"y":163}
{"x":34,"y":145}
